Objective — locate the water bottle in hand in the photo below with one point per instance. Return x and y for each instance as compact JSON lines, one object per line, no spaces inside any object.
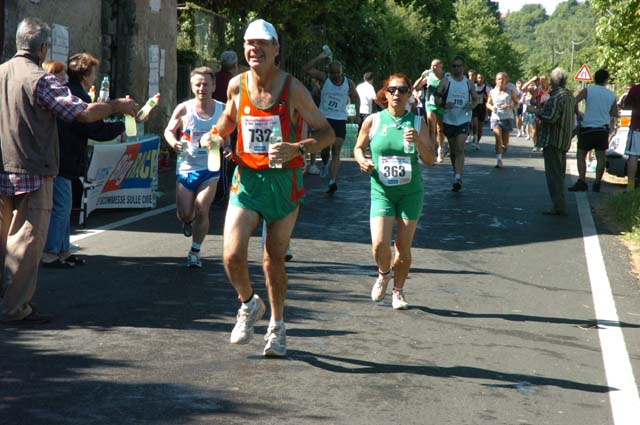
{"x":409,"y":147}
{"x":274,"y":138}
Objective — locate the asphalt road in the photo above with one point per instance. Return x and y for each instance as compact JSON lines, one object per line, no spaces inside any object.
{"x":501,"y":328}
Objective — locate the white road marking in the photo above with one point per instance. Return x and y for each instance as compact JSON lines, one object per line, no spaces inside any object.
{"x":625,"y":402}
{"x":92,"y":232}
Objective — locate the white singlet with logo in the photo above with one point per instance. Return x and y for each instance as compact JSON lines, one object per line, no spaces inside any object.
{"x":334,"y":99}
{"x":459,"y":95}
{"x":504,"y":103}
{"x":194,"y":158}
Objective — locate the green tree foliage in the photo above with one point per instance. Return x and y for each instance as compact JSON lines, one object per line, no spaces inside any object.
{"x":521,"y":26}
{"x":382,"y":36}
{"x":618,"y":37}
{"x":476,"y":33}
{"x":549,"y":41}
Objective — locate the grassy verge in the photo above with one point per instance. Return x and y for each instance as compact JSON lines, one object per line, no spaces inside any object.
{"x":624,"y":209}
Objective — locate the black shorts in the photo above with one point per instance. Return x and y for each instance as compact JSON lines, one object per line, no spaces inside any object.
{"x":452,"y":131}
{"x":480,"y":112}
{"x":339,"y":127}
{"x":593,"y":138}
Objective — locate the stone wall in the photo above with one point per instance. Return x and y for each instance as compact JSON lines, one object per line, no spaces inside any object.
{"x":119,"y":33}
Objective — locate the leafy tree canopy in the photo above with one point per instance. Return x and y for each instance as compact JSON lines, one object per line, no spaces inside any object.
{"x":476,"y":33}
{"x":618,"y":38}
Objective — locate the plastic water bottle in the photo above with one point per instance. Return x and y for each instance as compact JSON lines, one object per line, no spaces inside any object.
{"x":327,"y":51}
{"x":408,"y":147}
{"x":130,"y":128}
{"x":274,"y":138}
{"x":104,"y":89}
{"x":92,"y":93}
{"x":151,"y":103}
{"x":213,"y":161}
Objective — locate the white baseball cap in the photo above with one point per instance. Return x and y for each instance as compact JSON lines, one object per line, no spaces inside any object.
{"x":261,"y":30}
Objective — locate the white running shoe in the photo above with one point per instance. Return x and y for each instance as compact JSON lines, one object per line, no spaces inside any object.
{"x":276,"y":338}
{"x":193,"y":260}
{"x":398,"y":301}
{"x":379,"y":289}
{"x":313,"y":170}
{"x":248,"y":315}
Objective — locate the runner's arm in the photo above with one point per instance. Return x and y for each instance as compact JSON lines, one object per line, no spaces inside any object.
{"x":227,"y":121}
{"x":310,"y":69}
{"x":361,"y":145}
{"x":353,"y":95}
{"x":515,"y":99}
{"x":529,"y":83}
{"x":473,"y":95}
{"x":489,"y":103}
{"x":424,"y":144}
{"x":439,"y":94}
{"x":175,"y":124}
{"x":421,"y":81}
{"x":322,"y":135}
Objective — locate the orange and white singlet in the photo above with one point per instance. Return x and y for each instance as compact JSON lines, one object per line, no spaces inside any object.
{"x":255,"y":125}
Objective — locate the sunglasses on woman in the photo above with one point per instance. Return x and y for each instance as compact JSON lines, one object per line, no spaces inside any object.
{"x":401,"y":89}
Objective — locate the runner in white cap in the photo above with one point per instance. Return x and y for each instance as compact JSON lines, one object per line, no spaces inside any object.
{"x":259,"y":101}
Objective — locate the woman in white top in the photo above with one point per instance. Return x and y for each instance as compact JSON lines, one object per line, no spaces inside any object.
{"x":502,"y":103}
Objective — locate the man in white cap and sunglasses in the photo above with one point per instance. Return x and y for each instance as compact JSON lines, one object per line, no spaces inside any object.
{"x":259,"y":101}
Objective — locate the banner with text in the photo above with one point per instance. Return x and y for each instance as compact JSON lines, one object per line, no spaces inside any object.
{"x":123,"y":175}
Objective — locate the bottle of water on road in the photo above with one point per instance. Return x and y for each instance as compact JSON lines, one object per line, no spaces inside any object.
{"x":274,"y":138}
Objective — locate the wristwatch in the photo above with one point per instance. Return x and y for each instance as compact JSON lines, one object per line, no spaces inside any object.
{"x":302,"y":148}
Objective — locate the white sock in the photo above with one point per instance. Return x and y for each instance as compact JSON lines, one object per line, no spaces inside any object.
{"x":458,"y":177}
{"x":195,"y":246}
{"x":332,"y":181}
{"x":252,"y":302}
{"x":499,"y":156}
{"x":276,"y":323}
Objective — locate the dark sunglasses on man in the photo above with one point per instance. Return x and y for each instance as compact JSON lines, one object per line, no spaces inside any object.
{"x":401,"y":89}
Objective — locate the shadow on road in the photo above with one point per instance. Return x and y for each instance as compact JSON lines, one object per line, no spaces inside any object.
{"x":588,"y":324}
{"x":337,"y":364}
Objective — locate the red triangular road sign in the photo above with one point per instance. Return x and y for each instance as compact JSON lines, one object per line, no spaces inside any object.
{"x":583,"y":74}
